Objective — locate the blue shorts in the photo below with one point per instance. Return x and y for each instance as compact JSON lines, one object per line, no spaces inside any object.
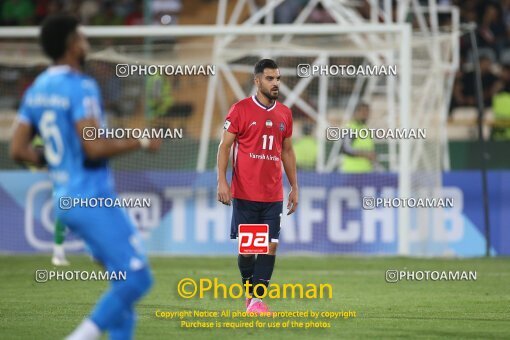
{"x":110,"y":235}
{"x":251,"y":212}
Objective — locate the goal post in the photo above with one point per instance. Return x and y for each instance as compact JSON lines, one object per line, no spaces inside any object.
{"x":404,"y":178}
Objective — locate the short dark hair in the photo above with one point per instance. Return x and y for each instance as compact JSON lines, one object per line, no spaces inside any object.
{"x":261,"y":65}
{"x":55,"y":33}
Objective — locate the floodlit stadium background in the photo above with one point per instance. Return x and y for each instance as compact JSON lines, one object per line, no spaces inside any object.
{"x":330,"y":239}
{"x":433,"y":90}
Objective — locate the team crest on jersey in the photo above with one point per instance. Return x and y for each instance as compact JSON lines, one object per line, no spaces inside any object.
{"x":282,"y":126}
{"x":269,"y":123}
{"x":226,"y":125}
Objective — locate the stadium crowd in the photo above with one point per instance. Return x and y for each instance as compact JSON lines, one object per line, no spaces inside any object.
{"x":90,"y":12}
{"x":492,"y":18}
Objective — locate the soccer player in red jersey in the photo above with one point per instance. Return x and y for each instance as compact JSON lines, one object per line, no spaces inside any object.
{"x":260,"y":129}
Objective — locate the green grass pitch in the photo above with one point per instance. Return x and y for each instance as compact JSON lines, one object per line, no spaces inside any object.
{"x":425,"y":309}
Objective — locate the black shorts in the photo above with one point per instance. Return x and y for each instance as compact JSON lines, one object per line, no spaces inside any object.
{"x":251,"y":212}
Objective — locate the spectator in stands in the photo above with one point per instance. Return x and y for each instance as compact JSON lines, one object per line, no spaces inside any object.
{"x":18,"y":12}
{"x":88,"y":10}
{"x":72,"y":7}
{"x":506,"y":21}
{"x":136,"y":17}
{"x":501,"y":107}
{"x":165,"y":12}
{"x":489,"y":84}
{"x":124,"y":7}
{"x":359,"y":153}
{"x":46,"y":7}
{"x":468,"y":11}
{"x":305,"y":148}
{"x":491,"y":30}
{"x":320,"y":15}
{"x":287,"y":11}
{"x":457,"y":92}
{"x":505,"y":8}
{"x":107,"y":15}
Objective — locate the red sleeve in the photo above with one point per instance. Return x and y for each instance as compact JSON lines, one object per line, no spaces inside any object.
{"x":232,"y":122}
{"x":290,"y":124}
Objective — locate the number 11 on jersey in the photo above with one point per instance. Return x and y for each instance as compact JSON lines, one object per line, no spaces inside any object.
{"x":264,"y":142}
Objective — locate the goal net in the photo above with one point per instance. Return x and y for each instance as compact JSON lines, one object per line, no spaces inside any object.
{"x":328,"y":72}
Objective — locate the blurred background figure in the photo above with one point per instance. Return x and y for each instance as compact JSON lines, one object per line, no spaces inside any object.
{"x":489,"y":82}
{"x":136,"y":16}
{"x":491,"y":28}
{"x":287,"y":11}
{"x":159,"y":95}
{"x":305,"y":148}
{"x":358,"y":153}
{"x":320,"y":15}
{"x":107,"y":15}
{"x":17,"y":12}
{"x":165,"y":12}
{"x":501,"y":107}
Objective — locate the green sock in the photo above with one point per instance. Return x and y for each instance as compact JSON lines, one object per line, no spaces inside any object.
{"x":60,"y":229}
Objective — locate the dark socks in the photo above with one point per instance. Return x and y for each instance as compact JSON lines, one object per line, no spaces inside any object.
{"x":264,"y":266}
{"x":246,"y":267}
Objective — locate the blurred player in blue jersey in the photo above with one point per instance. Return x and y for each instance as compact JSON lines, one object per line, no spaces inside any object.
{"x":60,"y":104}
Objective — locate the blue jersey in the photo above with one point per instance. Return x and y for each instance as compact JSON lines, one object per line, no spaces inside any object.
{"x":57,"y":99}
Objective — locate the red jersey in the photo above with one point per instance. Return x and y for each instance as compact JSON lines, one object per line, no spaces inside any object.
{"x":257,"y":164}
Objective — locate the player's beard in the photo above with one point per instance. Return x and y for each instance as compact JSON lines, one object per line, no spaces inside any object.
{"x":270,"y":96}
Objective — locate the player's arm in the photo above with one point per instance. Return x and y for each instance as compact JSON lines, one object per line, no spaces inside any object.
{"x":289,"y":165}
{"x":101,"y":148}
{"x":224,"y":194}
{"x":21,"y":148}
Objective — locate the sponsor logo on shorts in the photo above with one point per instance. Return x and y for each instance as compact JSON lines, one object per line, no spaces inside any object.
{"x":253,"y":238}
